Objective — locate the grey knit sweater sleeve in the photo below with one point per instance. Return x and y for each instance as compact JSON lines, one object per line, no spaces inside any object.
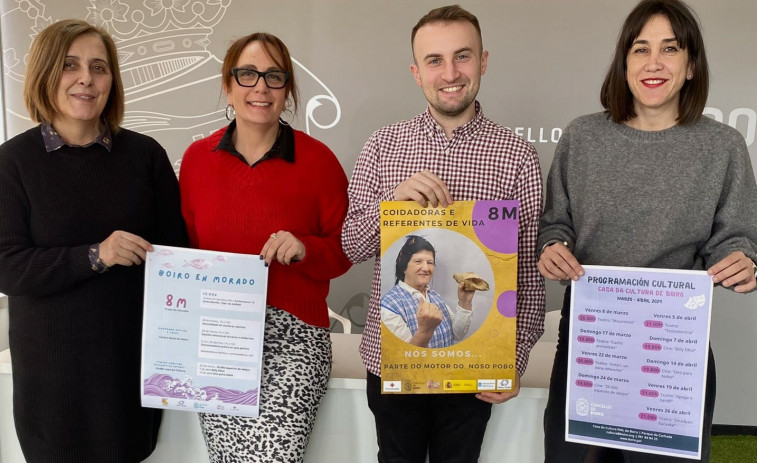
{"x":681,"y":198}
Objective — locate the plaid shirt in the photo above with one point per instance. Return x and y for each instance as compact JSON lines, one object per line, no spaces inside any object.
{"x":482,"y":161}
{"x":399,"y":301}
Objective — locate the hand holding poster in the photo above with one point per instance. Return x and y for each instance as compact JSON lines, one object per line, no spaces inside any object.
{"x":448,"y":305}
{"x":202,"y":334}
{"x":638,"y":355}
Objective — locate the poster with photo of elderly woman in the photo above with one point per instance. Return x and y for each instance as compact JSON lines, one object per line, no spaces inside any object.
{"x":448,"y":297}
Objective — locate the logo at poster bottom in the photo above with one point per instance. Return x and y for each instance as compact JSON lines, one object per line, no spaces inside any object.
{"x":486,"y":384}
{"x":392,"y":386}
{"x":459,"y":385}
{"x":504,"y":384}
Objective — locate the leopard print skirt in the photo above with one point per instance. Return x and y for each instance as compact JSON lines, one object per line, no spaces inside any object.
{"x":296,"y":370}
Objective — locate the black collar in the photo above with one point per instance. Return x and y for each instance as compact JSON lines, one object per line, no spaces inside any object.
{"x":283,"y":147}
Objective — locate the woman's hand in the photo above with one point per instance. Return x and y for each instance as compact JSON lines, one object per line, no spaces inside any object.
{"x":735,"y":269}
{"x":124,"y":248}
{"x":428,"y":316}
{"x":558,"y":263}
{"x":284,"y":247}
{"x":464,"y":298}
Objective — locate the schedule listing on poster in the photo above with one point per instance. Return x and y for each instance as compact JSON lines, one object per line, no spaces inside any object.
{"x":638,"y":350}
{"x":203,"y":331}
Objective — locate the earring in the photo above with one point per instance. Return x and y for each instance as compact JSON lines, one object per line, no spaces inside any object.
{"x":690,"y":76}
{"x":288,"y":111}
{"x":230,"y":113}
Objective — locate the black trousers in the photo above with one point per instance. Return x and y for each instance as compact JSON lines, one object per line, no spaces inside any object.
{"x":557,"y":450}
{"x":449,"y":427}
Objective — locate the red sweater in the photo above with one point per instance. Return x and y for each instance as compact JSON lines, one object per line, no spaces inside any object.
{"x":232,"y":207}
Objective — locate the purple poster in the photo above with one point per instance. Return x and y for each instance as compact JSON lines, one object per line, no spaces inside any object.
{"x":638,"y":359}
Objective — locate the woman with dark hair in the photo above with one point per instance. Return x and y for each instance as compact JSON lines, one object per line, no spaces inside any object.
{"x":416,"y":313}
{"x":82,"y":199}
{"x":260,"y":187}
{"x":647,"y":183}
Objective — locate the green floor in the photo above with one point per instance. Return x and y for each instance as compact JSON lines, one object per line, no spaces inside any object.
{"x":734,"y":449}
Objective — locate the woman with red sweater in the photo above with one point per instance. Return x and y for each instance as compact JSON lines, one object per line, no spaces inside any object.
{"x":260,"y":187}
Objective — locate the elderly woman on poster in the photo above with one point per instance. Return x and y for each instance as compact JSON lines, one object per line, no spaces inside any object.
{"x":416,"y":313}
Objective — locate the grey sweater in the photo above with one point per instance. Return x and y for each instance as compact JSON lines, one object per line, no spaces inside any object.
{"x":681,"y":198}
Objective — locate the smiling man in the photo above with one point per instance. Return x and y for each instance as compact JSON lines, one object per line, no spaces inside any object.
{"x":449,"y":152}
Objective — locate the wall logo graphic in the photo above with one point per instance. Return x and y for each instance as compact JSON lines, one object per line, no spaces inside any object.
{"x":171,"y":78}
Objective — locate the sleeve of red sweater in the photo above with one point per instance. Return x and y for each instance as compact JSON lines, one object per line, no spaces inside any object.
{"x":324,"y":258}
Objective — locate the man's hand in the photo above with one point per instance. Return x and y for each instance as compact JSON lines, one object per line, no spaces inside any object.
{"x":425,"y":188}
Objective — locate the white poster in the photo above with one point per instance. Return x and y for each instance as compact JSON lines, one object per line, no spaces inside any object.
{"x":203,"y":327}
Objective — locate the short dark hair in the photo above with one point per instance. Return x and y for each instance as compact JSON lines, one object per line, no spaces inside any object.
{"x":44,"y":71}
{"x":447,"y":14}
{"x":616,"y":96}
{"x":413,"y":244}
{"x":274,"y":48}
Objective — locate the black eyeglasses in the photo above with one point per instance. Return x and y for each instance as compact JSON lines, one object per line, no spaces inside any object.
{"x":249,"y":77}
